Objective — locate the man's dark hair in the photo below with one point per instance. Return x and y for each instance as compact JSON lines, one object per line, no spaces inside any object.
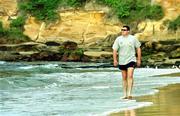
{"x":127,"y":27}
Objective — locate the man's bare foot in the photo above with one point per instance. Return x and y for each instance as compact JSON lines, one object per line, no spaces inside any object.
{"x":124,"y":97}
{"x":129,"y":97}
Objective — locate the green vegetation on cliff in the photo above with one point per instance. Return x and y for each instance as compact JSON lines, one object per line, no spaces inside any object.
{"x":46,"y":10}
{"x":175,"y":24}
{"x":14,"y":34}
{"x":1,"y":30}
{"x":41,"y":9}
{"x":127,"y":11}
{"x":18,"y":23}
{"x":72,"y":3}
{"x":134,"y":10}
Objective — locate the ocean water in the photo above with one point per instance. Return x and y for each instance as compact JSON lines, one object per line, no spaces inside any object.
{"x":72,"y":89}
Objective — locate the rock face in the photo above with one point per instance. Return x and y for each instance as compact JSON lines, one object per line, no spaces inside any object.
{"x":82,"y":27}
{"x":8,"y":10}
{"x":156,"y":30}
{"x":89,"y":26}
{"x":32,"y":51}
{"x":171,"y":8}
{"x":162,"y":53}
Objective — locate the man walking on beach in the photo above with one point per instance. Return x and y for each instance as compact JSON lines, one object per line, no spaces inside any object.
{"x":126,"y":46}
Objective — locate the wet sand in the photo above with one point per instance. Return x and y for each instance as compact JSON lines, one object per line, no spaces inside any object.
{"x":170,"y":75}
{"x":165,"y":103}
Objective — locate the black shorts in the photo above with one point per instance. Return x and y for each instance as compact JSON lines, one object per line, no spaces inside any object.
{"x":125,"y":67}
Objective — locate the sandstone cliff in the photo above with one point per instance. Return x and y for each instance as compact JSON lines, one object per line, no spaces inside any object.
{"x":86,"y":27}
{"x":82,"y":27}
{"x":156,"y":30}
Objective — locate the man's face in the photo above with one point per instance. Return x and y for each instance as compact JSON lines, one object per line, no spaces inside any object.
{"x":124,"y":31}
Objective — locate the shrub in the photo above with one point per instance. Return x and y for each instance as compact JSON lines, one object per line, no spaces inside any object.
{"x":1,"y":30}
{"x":18,"y":23}
{"x":175,"y":24}
{"x":72,"y":3}
{"x":123,"y":10}
{"x":14,"y":34}
{"x":79,"y":52}
{"x":41,"y":9}
{"x":134,"y":10}
{"x":154,"y":12}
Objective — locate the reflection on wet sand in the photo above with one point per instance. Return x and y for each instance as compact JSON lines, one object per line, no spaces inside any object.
{"x":129,"y":113}
{"x":125,"y":113}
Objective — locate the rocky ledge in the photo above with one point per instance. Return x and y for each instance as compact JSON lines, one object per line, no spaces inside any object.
{"x":161,"y":53}
{"x":49,"y":51}
{"x":154,"y":54}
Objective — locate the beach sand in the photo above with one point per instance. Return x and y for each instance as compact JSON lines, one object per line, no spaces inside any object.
{"x":165,"y":103}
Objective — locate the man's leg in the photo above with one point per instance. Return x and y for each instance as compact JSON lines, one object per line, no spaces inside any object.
{"x":130,"y":72}
{"x":125,"y":83}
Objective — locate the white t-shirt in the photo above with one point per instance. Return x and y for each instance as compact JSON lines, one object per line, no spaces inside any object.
{"x":126,"y":47}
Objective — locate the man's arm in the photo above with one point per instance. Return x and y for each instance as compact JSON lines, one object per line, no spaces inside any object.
{"x":138,"y":57}
{"x":115,"y":58}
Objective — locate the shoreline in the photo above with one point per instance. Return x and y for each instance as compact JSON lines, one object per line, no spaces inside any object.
{"x":98,"y":65}
{"x":165,"y":103}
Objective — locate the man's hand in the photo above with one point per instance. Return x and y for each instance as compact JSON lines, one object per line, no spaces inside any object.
{"x":115,"y":58}
{"x":138,"y":57}
{"x":115,"y":63}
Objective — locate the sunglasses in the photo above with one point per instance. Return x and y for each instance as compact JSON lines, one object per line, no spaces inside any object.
{"x":124,"y":30}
